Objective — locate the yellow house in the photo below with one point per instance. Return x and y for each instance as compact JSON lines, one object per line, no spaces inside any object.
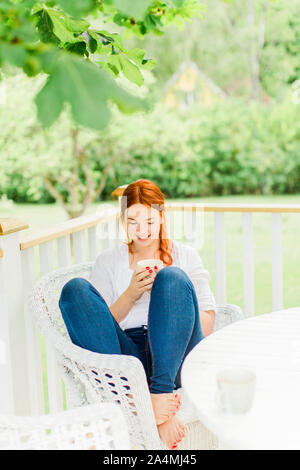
{"x":190,"y":86}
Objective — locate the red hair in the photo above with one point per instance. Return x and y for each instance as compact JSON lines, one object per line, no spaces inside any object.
{"x":146,"y":192}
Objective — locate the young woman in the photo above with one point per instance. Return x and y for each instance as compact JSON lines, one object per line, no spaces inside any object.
{"x":157,"y":316}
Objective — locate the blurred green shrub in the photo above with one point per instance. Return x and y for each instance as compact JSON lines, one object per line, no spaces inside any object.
{"x":232,"y":148}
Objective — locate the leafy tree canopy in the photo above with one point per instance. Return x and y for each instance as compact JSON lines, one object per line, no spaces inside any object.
{"x":55,"y":37}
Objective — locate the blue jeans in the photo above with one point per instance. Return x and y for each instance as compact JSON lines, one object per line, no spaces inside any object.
{"x":173,"y":326}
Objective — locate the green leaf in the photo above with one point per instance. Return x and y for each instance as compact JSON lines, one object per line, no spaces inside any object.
{"x":148,"y":64}
{"x":53,"y":24}
{"x":38,"y":7}
{"x":119,"y":19}
{"x":133,"y":8}
{"x":91,"y":41}
{"x":131,"y":71}
{"x":150,"y":21}
{"x":50,"y":100}
{"x":114,"y":61}
{"x":95,"y":44}
{"x":76,"y":26}
{"x":77,"y":8}
{"x":87,"y":89}
{"x":77,"y":47}
{"x":111,"y":68}
{"x":114,"y":38}
{"x":137,"y":55}
{"x":60,"y":28}
{"x":48,"y":59}
{"x":45,"y":28}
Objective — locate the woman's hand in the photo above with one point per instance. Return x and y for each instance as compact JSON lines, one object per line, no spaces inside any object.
{"x":141,"y":281}
{"x":207,"y":320}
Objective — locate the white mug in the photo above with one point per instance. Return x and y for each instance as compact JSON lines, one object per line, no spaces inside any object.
{"x":151,"y":263}
{"x":236,"y":389}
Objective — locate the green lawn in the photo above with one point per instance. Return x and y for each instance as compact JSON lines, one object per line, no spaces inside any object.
{"x":40,"y":216}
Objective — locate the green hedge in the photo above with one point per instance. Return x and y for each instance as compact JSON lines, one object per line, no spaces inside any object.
{"x":231,"y":148}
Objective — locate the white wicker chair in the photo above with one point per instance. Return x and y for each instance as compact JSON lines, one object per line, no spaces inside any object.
{"x":90,"y":427}
{"x":92,"y":377}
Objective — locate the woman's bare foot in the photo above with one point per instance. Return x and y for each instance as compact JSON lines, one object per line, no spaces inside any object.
{"x":164,"y":405}
{"x":171,"y":431}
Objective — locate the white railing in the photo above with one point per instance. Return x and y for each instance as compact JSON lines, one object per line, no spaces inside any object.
{"x":26,"y":257}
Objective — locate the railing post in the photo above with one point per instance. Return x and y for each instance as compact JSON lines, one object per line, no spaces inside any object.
{"x":248,"y":264}
{"x":14,"y":389}
{"x":220,"y":258}
{"x":277,"y":294}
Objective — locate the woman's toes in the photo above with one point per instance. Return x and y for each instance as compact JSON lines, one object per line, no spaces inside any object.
{"x":177,"y":396}
{"x":171,"y":443}
{"x":172,"y":399}
{"x":174,"y":405}
{"x":171,"y":432}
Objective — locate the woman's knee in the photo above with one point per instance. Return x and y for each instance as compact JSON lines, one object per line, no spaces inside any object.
{"x":74,"y":287}
{"x":178,"y":280}
{"x":173,"y":274}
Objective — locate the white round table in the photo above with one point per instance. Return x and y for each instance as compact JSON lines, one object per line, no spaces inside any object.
{"x":269,"y":345}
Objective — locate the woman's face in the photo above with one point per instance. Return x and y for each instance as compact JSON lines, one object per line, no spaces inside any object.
{"x":142,"y":224}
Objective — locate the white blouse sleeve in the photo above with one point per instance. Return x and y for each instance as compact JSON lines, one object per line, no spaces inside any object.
{"x":200,"y":278}
{"x":101,"y":280}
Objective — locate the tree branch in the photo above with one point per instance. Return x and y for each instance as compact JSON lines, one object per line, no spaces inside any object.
{"x":54,"y":193}
{"x":90,"y":189}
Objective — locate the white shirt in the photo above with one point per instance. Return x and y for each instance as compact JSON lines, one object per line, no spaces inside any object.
{"x":111,"y":276}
